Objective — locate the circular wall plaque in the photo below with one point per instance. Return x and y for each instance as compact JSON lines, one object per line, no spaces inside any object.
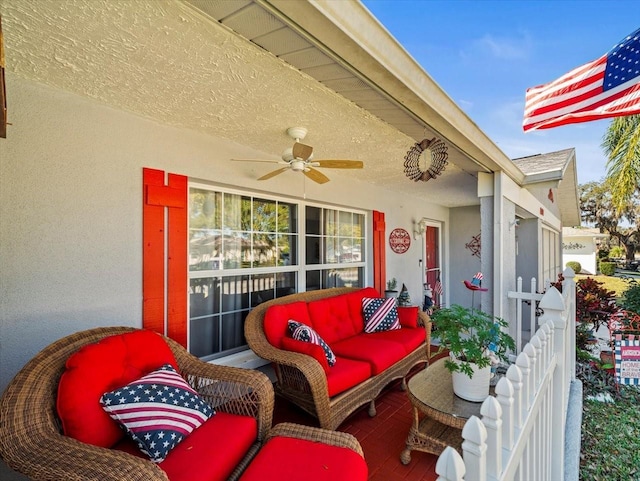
{"x":399,"y":240}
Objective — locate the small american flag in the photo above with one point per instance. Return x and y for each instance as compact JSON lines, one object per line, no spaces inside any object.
{"x":606,"y":87}
{"x":477,"y":279}
{"x":437,"y":288}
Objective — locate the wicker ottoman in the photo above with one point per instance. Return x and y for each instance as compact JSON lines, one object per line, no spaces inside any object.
{"x":293,"y":452}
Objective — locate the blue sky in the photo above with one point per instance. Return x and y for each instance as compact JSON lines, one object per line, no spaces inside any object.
{"x":485,"y":54}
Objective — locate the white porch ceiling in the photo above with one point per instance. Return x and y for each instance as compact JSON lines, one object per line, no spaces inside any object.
{"x":246,"y":71}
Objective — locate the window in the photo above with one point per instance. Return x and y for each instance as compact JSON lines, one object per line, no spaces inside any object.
{"x":551,"y":257}
{"x":334,"y":248}
{"x":244,"y":250}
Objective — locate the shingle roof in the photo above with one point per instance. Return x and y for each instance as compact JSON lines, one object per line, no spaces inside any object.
{"x":543,"y":163}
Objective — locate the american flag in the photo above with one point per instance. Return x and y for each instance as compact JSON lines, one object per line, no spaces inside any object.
{"x":158,"y":410}
{"x":606,"y":87}
{"x":437,"y":288}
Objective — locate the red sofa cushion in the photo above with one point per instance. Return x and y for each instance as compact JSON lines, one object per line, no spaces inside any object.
{"x":408,"y":316}
{"x":210,"y":453}
{"x":291,"y":459}
{"x":379,"y":353}
{"x":410,"y":338}
{"x":354,"y":299}
{"x":345,"y":374}
{"x":101,"y":367}
{"x":331,"y":319}
{"x":313,"y":350}
{"x":276,"y":319}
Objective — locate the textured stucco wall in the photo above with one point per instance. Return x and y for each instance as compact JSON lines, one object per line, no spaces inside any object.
{"x":465,"y":224}
{"x":71,"y":212}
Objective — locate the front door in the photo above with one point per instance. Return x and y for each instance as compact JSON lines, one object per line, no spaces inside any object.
{"x":432,"y":262}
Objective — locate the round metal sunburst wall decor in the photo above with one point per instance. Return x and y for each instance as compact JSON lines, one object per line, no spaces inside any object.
{"x":439,"y":155}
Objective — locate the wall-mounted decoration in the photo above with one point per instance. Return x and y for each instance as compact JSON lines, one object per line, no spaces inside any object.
{"x":572,"y":246}
{"x":474,"y":245}
{"x":399,"y":241}
{"x":550,"y":195}
{"x":436,"y":149}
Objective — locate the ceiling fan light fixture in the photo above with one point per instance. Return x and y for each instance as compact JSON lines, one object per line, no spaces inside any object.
{"x":297,"y":133}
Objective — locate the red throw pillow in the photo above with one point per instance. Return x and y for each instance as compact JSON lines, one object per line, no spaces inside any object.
{"x":408,"y":316}
{"x":313,"y":350}
{"x":101,"y":367}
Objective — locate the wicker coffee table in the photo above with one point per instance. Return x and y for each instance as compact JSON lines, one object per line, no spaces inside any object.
{"x":443,"y":413}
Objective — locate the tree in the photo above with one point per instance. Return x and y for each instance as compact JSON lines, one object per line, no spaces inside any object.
{"x":597,"y":208}
{"x":621,"y":143}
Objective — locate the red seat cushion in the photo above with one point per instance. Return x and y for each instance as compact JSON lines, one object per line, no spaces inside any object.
{"x":293,"y":459}
{"x":210,"y":453}
{"x":101,"y":367}
{"x":354,"y":300}
{"x":379,"y":353}
{"x":345,"y":374}
{"x":409,"y":338}
{"x":408,"y":316}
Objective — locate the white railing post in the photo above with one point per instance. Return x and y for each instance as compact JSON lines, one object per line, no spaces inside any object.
{"x":492,"y":420}
{"x":474,"y":449}
{"x":553,"y":306}
{"x":524,"y":364}
{"x":514,"y":375}
{"x":450,"y":466}
{"x":504,"y":395}
{"x":530,"y":351}
{"x":569,"y":287}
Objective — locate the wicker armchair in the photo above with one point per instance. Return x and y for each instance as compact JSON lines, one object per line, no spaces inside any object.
{"x":301,"y":379}
{"x":31,"y":439}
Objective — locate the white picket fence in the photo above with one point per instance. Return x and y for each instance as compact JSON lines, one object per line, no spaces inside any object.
{"x":521,"y":435}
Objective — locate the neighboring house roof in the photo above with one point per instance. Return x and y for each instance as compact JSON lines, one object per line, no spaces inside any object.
{"x":559,"y":169}
{"x":583,"y":232}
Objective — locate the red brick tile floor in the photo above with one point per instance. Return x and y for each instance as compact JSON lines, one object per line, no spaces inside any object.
{"x":382,"y":437}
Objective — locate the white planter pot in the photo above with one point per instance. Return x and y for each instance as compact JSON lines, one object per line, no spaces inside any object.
{"x":390,"y":294}
{"x":475,"y":388}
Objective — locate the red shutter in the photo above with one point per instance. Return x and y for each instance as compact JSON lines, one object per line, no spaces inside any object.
{"x":379,"y":252}
{"x":164,"y":294}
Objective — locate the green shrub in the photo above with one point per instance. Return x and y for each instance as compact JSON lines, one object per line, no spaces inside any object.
{"x":631,"y":298}
{"x":575,"y":265}
{"x":607,"y":268}
{"x":617,"y":251}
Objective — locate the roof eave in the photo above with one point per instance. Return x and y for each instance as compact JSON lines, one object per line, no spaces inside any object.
{"x":352,"y":33}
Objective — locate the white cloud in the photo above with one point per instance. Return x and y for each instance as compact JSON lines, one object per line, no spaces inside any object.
{"x":503,"y":48}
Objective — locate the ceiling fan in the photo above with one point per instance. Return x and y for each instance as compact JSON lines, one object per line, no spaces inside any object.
{"x":299,"y":159}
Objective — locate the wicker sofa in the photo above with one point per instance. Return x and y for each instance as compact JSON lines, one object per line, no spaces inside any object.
{"x":32,"y":441}
{"x":374,"y":360}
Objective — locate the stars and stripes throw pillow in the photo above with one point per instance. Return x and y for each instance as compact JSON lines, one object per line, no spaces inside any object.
{"x":380,"y":314}
{"x":302,"y":332}
{"x":158,"y":411}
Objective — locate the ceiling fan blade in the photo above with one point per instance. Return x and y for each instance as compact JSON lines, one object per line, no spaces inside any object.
{"x":340,"y":164}
{"x":316,"y":176}
{"x":302,"y":151}
{"x":258,"y":160}
{"x":274,"y":173}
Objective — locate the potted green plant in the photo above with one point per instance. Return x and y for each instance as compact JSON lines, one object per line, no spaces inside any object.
{"x":474,"y":340}
{"x":391,"y":288}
